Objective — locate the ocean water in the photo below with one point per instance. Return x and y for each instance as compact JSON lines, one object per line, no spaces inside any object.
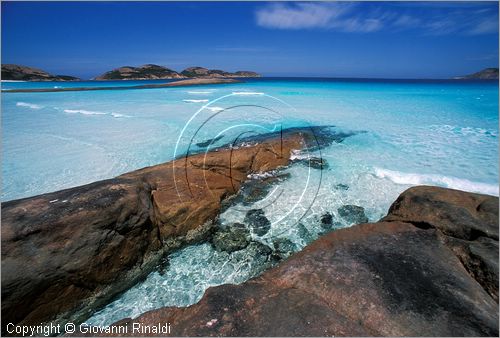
{"x":406,"y":133}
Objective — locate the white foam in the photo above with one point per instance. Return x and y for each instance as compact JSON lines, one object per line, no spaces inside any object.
{"x":200,"y":92}
{"x":439,"y":180}
{"x":298,"y":155}
{"x":214,"y":109}
{"x":28,"y":105}
{"x":194,"y":101}
{"x":84,"y":112}
{"x":247,"y":93}
{"x":265,"y":174}
{"x":117,"y":115}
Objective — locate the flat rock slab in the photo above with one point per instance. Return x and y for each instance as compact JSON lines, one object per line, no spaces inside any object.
{"x":391,"y":278}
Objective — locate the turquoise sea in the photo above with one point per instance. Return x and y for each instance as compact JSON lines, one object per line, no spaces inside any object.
{"x":442,"y":133}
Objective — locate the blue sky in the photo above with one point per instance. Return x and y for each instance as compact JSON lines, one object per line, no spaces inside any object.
{"x":341,"y":39}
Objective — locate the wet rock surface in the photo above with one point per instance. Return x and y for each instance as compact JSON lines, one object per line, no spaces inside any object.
{"x":341,"y":186}
{"x":426,"y":269}
{"x":206,"y":143}
{"x":305,"y":234}
{"x":66,"y":253}
{"x":353,"y":214}
{"x":256,"y":189}
{"x":314,"y":162}
{"x":283,"y":248}
{"x":326,"y":221}
{"x":232,"y":238}
{"x":257,"y":221}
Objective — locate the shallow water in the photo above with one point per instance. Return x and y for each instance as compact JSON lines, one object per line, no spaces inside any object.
{"x":415,"y":132}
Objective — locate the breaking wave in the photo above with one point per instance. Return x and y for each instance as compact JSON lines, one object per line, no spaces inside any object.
{"x":247,"y":93}
{"x":28,"y":105}
{"x":438,"y":180}
{"x":195,"y":101}
{"x":84,"y":112}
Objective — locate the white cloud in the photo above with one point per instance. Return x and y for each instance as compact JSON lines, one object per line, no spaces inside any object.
{"x":325,"y":15}
{"x":467,"y":19}
{"x":490,"y":25}
{"x":407,"y":21}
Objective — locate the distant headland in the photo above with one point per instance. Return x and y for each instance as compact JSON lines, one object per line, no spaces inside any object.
{"x":24,"y":73}
{"x":145,"y":72}
{"x":485,"y":74}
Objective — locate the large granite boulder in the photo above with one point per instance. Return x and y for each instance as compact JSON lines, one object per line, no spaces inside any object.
{"x":65,"y":254}
{"x":69,"y":252}
{"x":424,"y":270}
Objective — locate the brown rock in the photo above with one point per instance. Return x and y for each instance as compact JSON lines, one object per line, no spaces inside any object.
{"x":468,"y":223}
{"x":391,"y":278}
{"x":68,"y":252}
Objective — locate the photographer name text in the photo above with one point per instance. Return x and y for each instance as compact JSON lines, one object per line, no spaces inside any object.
{"x":84,"y":328}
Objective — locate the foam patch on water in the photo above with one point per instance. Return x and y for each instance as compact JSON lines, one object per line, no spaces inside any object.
{"x":439,"y":180}
{"x":247,"y":93}
{"x":117,"y":115}
{"x":298,"y":155}
{"x":84,"y":112}
{"x":195,"y":101}
{"x":200,"y":92}
{"x":214,"y":109}
{"x":28,"y":105}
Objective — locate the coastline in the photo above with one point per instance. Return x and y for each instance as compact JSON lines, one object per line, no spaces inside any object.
{"x":189,"y":82}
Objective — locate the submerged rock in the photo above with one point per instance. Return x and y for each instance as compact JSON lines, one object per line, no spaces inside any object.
{"x":257,"y":221}
{"x":341,"y":186}
{"x":326,"y":221}
{"x":256,"y":189}
{"x":402,"y":276}
{"x":304,"y":234}
{"x":257,"y":258}
{"x":318,"y":163}
{"x":313,"y":162}
{"x":231,"y":238}
{"x":283,"y":248}
{"x":353,"y":214}
{"x":206,"y":143}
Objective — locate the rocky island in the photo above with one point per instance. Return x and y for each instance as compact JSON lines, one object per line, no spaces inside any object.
{"x":204,"y":72}
{"x":154,"y":72}
{"x":23,"y":73}
{"x":485,"y":74}
{"x":146,"y":72}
